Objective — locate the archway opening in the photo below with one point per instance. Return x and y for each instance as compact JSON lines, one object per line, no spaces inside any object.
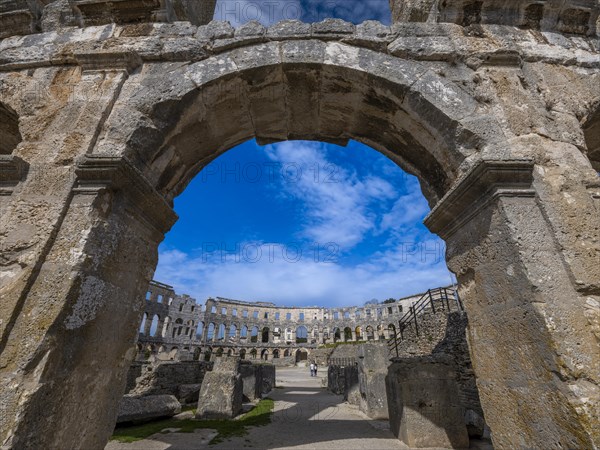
{"x":301,"y":335}
{"x":265,"y":335}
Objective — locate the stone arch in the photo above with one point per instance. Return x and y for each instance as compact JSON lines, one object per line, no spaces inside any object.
{"x":265,"y":335}
{"x":210,"y":332}
{"x":200,"y":330}
{"x":232,"y":331}
{"x":177,"y":327}
{"x":168,"y":132}
{"x":358,"y":331}
{"x":424,"y":128}
{"x":286,"y":353}
{"x":276,"y":353}
{"x":244,"y":332}
{"x":253,"y":353}
{"x":254,"y":334}
{"x":264,"y":354}
{"x":301,"y":355}
{"x":347,"y":334}
{"x":301,"y":334}
{"x":242,"y":353}
{"x":219,"y":352}
{"x":229,"y":352}
{"x":166,"y":325}
{"x":9,"y":130}
{"x":369,"y":333}
{"x":221,"y":332}
{"x":142,"y":329}
{"x":337,"y":334}
{"x":154,"y":325}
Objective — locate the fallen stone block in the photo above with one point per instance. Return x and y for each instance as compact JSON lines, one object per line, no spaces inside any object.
{"x":135,"y":408}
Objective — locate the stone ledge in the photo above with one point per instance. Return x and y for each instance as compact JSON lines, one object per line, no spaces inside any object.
{"x":181,"y":41}
{"x":96,"y":173}
{"x":485,"y":182}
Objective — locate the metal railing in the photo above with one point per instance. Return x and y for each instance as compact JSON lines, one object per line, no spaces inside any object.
{"x":438,"y":299}
{"x":341,"y":361}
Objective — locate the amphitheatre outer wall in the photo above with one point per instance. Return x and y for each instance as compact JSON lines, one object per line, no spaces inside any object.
{"x":176,"y":327}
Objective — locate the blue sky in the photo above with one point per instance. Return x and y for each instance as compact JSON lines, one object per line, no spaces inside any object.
{"x":302,"y":223}
{"x":270,"y":11}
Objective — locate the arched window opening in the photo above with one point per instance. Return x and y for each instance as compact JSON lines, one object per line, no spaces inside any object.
{"x":301,"y":335}
{"x":210,"y":332}
{"x":347,"y":334}
{"x":221,"y":334}
{"x":265,"y":335}
{"x":143,"y":324}
{"x":154,"y":325}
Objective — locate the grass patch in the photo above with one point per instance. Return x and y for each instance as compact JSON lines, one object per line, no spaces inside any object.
{"x":258,"y":416}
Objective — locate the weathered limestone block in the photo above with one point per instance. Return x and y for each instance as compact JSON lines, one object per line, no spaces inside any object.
{"x":424,"y":405}
{"x":566,"y":17}
{"x":188,"y":393}
{"x":222,"y":391}
{"x":257,"y":379}
{"x":267,"y":378}
{"x":373,"y":361}
{"x":250,"y":380}
{"x":134,"y":408}
{"x":167,"y":377}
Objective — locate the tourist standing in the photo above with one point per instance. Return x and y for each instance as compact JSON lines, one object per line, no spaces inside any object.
{"x":316,"y":367}
{"x":312,"y":369}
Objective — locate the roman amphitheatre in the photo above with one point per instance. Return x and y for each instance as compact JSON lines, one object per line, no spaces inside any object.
{"x":110,"y":108}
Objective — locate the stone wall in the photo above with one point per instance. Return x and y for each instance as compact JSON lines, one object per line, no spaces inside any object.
{"x":257,"y":379}
{"x":441,"y":332}
{"x":167,"y":377}
{"x":423,"y":401}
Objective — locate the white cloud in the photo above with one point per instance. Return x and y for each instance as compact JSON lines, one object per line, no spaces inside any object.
{"x":337,"y":201}
{"x":396,"y":273}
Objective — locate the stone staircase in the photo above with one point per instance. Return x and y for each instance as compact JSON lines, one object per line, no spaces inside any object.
{"x":425,"y":324}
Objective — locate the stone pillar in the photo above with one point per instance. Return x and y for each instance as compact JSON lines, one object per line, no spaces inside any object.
{"x":354,"y":334}
{"x":222,"y":390}
{"x":424,"y":404}
{"x":73,"y":338}
{"x":531,"y":335}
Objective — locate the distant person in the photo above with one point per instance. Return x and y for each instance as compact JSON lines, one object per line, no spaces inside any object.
{"x":316,"y":367}
{"x":312,"y":369}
